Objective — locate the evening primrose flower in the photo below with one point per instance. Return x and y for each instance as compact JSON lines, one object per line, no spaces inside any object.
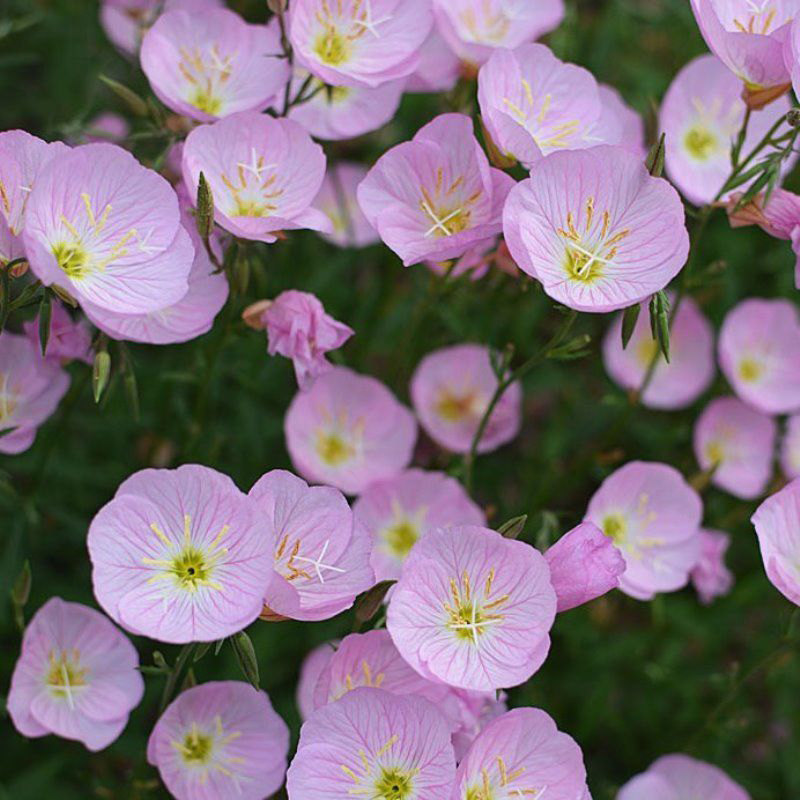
{"x":473,"y":609}
{"x":337,"y":199}
{"x":777,"y":524}
{"x":108,"y":230}
{"x":533,"y":104}
{"x":596,"y":229}
{"x":677,"y":776}
{"x":212,"y":64}
{"x":77,"y":676}
{"x":522,"y":754}
{"x":759,"y":352}
{"x":263,"y":174}
{"x":701,"y":116}
{"x":435,"y":197}
{"x":736,"y":443}
{"x":653,"y":517}
{"x":374,"y":744}
{"x":31,"y":388}
{"x":474,"y":29}
{"x":691,"y":366}
{"x":349,"y":430}
{"x":310,"y":671}
{"x":321,"y":552}
{"x":179,"y":556}
{"x":451,"y":390}
{"x":439,"y":67}
{"x":220,"y":740}
{"x":69,"y":338}
{"x":359,"y":42}
{"x":711,"y":578}
{"x":400,"y":510}
{"x":790,"y":448}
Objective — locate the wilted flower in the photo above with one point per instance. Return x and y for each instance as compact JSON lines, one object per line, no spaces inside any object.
{"x":336,"y":113}
{"x":749,"y":36}
{"x":359,"y":42}
{"x":759,"y":352}
{"x":373,"y":743}
{"x":30,"y":389}
{"x":321,"y":552}
{"x":584,"y":564}
{"x":77,"y":676}
{"x":108,"y":230}
{"x":710,"y":577}
{"x":678,"y":776}
{"x":533,"y":104}
{"x":653,"y":516}
{"x":438,"y":69}
{"x":701,"y":116}
{"x":435,"y":197}
{"x":310,"y":671}
{"x":451,"y":390}
{"x":473,"y":609}
{"x":790,"y":448}
{"x":299,"y":328}
{"x":691,"y":366}
{"x":337,"y":199}
{"x":777,"y":523}
{"x":349,"y":430}
{"x":69,"y":339}
{"x":737,"y":443}
{"x":522,"y":754}
{"x":596,"y":229}
{"x":399,"y":511}
{"x":220,"y":740}
{"x":212,"y":64}
{"x":263,"y":173}
{"x":475,"y":28}
{"x":180,"y":556}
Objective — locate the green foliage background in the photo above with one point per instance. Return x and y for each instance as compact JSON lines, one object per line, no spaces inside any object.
{"x":630,"y":681}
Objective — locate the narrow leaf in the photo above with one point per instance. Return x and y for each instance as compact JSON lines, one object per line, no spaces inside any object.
{"x":135,"y":103}
{"x":246,"y":656}
{"x":655,"y":158}
{"x":368,"y":605}
{"x":629,"y":320}
{"x":45,"y":315}
{"x":514,"y":527}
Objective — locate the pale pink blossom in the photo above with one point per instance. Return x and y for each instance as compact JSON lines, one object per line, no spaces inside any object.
{"x":310,"y":671}
{"x":337,"y":199}
{"x":790,"y":448}
{"x":711,"y":578}
{"x":69,"y":339}
{"x":438,"y":69}
{"x":629,"y":120}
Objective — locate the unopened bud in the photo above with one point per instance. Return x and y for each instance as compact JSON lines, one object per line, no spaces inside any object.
{"x":793,"y":117}
{"x":205,"y":208}
{"x":276,"y":6}
{"x":64,"y":296}
{"x":756,"y":99}
{"x":19,"y":268}
{"x":101,"y":371}
{"x":253,"y":315}
{"x":655,"y":158}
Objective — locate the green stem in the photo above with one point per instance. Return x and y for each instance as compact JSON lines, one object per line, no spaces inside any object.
{"x":174,"y":676}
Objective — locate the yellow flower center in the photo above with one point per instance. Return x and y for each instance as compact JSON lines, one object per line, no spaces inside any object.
{"x":401,"y":537}
{"x":715,"y":453}
{"x":455,"y":407}
{"x":333,"y":449}
{"x":394,"y":784}
{"x":332,"y":47}
{"x":65,"y":673}
{"x":701,"y":143}
{"x":72,"y":258}
{"x":750,"y":370}
{"x":197,"y":747}
{"x":471,"y":614}
{"x":614,"y":526}
{"x":205,"y":100}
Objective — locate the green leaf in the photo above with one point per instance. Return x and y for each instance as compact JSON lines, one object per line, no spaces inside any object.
{"x":132,"y":100}
{"x":45,"y":315}
{"x":629,"y":320}
{"x":514,"y":527}
{"x":655,"y":158}
{"x":368,"y":605}
{"x":246,"y":656}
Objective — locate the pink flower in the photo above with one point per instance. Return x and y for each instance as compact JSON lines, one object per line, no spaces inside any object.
{"x":779,"y":216}
{"x":349,"y":430}
{"x":212,"y":64}
{"x":701,"y":116}
{"x":738,"y":444}
{"x":439,"y":68}
{"x":596,"y":229}
{"x":584,"y":564}
{"x":298,"y":328}
{"x":451,"y":390}
{"x":69,"y":339}
{"x":336,"y":113}
{"x":475,"y":28}
{"x":533,"y":104}
{"x":107,"y":127}
{"x":310,"y":672}
{"x":108,"y":230}
{"x":676,"y":384}
{"x":398,"y":511}
{"x":338,"y":201}
{"x":630,"y":121}
{"x":30,"y":390}
{"x":748,"y":37}
{"x":790,"y":448}
{"x":126,"y":21}
{"x":759,"y":352}
{"x":653,"y":516}
{"x":264,"y":173}
{"x":22,"y":158}
{"x":192,"y":316}
{"x":476,"y":262}
{"x":522,"y":753}
{"x":435,"y":197}
{"x":220,"y":740}
{"x":710,"y":577}
{"x":369,"y":742}
{"x":777,"y":524}
{"x":478,"y":709}
{"x":180,"y":556}
{"x":359,"y":42}
{"x":77,"y":676}
{"x":473,"y":609}
{"x":678,"y":776}
{"x":321,"y":552}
